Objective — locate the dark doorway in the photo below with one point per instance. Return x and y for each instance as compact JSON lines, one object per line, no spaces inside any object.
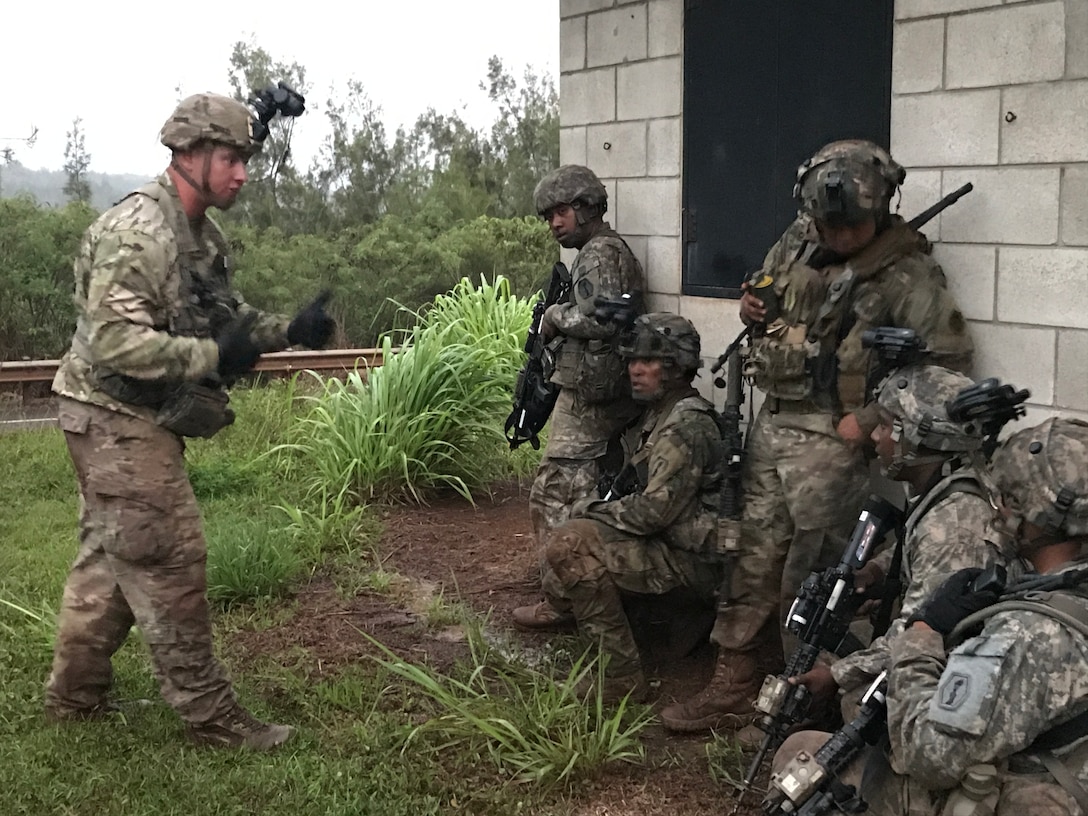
{"x":766,"y":83}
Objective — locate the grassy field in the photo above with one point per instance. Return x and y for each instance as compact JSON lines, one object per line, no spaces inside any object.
{"x":281,"y":503}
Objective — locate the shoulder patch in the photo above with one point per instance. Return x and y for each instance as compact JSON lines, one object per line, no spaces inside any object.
{"x":968,"y":686}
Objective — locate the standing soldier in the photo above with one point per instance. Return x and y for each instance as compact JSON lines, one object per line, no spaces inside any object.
{"x":594,"y":403}
{"x":160,"y":333}
{"x":845,"y":265}
{"x":659,"y":535}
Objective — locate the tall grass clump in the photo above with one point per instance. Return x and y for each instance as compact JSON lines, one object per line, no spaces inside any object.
{"x":431,"y":416}
{"x":531,"y":726}
{"x":249,"y":559}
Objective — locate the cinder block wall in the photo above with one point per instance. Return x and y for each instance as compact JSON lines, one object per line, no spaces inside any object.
{"x":982,"y":91}
{"x":997,"y":94}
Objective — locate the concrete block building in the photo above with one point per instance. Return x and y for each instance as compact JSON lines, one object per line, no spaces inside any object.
{"x":695,"y":112}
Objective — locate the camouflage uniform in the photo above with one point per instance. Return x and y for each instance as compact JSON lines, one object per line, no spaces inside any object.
{"x":595,"y":403}
{"x":1024,"y":674}
{"x":659,"y":533}
{"x":649,"y":542}
{"x":943,"y":537}
{"x":152,"y":288}
{"x":804,"y":484}
{"x":949,"y":526}
{"x":992,"y":696}
{"x":988,"y":699}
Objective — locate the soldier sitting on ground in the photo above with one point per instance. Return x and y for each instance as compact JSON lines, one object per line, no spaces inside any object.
{"x":660,"y":535}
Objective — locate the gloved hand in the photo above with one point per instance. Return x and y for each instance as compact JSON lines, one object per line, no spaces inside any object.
{"x":953,"y":601}
{"x":238,"y":352}
{"x":312,"y":326}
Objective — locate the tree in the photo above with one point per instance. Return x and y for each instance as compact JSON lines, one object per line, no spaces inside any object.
{"x":355,"y":167}
{"x":274,"y":182}
{"x":524,"y":138}
{"x":76,"y":162}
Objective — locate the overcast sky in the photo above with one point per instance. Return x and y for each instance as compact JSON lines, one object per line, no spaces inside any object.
{"x":118,"y":64}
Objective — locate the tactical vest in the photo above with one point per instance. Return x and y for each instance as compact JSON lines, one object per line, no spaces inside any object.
{"x":204,"y":305}
{"x":800,"y":359}
{"x":592,"y":367}
{"x":959,"y":481}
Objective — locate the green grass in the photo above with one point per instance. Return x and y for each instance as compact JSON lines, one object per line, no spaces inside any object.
{"x":372,"y":739}
{"x":532,"y":726}
{"x":431,"y":417}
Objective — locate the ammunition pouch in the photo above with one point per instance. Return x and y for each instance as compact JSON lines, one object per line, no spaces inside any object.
{"x":131,"y":391}
{"x":593,"y":370}
{"x":194,"y":409}
{"x":778,"y":362}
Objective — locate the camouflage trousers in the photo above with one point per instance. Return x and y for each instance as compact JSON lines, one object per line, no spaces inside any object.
{"x":804,"y":488}
{"x":888,"y":793}
{"x":588,"y":565}
{"x":141,"y":561}
{"x":578,"y":442}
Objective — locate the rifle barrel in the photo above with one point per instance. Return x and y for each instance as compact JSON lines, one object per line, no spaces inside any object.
{"x":928,"y":214}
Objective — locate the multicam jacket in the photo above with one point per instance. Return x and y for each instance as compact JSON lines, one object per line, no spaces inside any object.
{"x":679,"y":464}
{"x":151,"y":289}
{"x":814,"y":350}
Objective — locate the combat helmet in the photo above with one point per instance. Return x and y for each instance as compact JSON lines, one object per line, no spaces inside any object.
{"x":571,"y":184}
{"x":847,"y":181}
{"x":664,"y":336}
{"x":917,"y":397}
{"x":213,"y":118}
{"x":1042,"y":473}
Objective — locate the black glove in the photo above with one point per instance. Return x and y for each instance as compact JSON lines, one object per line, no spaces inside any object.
{"x":238,"y":352}
{"x":954,"y":600}
{"x":312,"y":327}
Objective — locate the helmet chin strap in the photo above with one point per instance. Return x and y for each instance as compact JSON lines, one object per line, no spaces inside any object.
{"x":202,"y":189}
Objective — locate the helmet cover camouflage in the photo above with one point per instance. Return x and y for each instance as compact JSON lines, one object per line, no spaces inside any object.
{"x":569,"y":184}
{"x":663,"y":336}
{"x":917,"y":398}
{"x":1042,"y":473}
{"x":213,"y":118}
{"x":848,"y":181}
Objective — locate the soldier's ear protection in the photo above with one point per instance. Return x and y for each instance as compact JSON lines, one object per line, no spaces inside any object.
{"x":893,"y":173}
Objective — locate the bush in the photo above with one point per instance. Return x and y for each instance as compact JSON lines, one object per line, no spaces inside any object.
{"x":37,"y":248}
{"x":432,"y":415}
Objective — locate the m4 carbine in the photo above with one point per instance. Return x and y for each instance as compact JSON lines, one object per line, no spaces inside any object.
{"x":809,"y":784}
{"x":820,"y":617}
{"x":534,"y":394}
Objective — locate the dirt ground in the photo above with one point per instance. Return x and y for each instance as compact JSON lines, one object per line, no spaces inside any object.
{"x":485,"y":558}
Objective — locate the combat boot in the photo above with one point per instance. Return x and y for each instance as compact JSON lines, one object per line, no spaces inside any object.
{"x":239,"y":729}
{"x":725,"y":703}
{"x":543,"y":616}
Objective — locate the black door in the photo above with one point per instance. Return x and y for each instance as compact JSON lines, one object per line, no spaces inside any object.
{"x":766,"y":83}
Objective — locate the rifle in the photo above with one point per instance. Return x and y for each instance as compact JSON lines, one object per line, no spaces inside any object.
{"x":534,"y":395}
{"x":915,"y":223}
{"x":820,"y":617}
{"x":732,"y":493}
{"x":930,"y":213}
{"x":809,"y":784}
